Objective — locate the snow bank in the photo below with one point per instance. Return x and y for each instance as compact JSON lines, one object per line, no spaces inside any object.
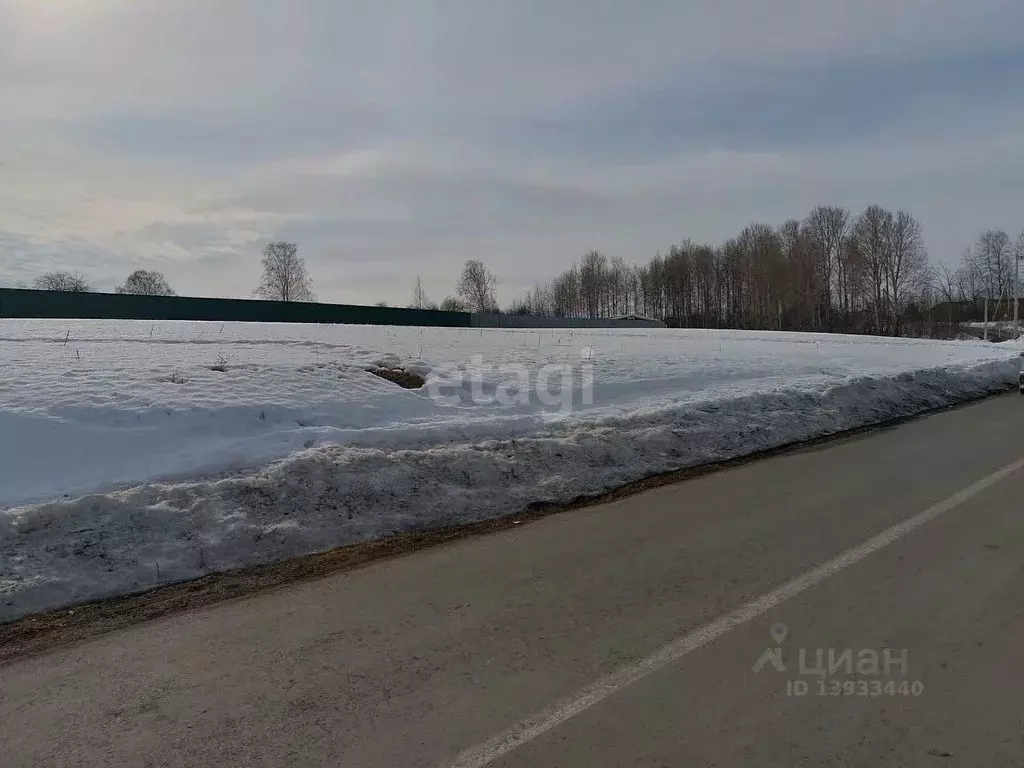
{"x":131,"y":414}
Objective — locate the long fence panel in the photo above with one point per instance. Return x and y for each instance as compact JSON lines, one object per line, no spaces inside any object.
{"x":21,"y":303}
{"x":16,"y":303}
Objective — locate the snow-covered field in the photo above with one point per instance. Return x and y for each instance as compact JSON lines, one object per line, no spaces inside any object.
{"x":134,"y":454}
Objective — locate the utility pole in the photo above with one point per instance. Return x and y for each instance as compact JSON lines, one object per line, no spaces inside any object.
{"x":1016,"y":292}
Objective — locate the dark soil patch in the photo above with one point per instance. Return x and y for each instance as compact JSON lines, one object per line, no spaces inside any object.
{"x":399,"y":376}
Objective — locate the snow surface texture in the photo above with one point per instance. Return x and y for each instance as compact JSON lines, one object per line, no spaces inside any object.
{"x":135,"y":454}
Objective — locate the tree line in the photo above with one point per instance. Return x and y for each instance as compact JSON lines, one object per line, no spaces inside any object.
{"x":141,"y":282}
{"x":285,"y":278}
{"x":832,"y":271}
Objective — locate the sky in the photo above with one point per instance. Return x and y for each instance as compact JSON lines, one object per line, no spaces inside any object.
{"x":397,"y":138}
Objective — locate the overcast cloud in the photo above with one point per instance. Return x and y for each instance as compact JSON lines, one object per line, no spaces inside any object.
{"x":391,"y":138}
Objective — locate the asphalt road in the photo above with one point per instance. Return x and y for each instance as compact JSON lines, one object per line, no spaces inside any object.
{"x":620,"y":635}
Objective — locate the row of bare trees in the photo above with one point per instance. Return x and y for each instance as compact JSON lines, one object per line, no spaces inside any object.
{"x":987,"y":271}
{"x":832,"y":271}
{"x":285,"y":278}
{"x":141,"y":282}
{"x":475,"y":292}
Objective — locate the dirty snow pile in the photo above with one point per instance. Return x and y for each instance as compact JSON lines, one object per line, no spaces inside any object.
{"x":134,"y":454}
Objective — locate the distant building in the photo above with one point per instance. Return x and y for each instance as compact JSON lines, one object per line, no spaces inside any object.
{"x":639,"y":321}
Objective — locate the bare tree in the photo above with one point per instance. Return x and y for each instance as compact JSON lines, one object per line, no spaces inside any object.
{"x":144,"y":282}
{"x":827,"y":228}
{"x":520,"y":307}
{"x":71,"y":282}
{"x":906,"y":265}
{"x":476,"y":287}
{"x":873,"y":234}
{"x":540,"y":300}
{"x":593,"y":283}
{"x":968,"y":279}
{"x":285,"y":277}
{"x":946,"y":284}
{"x":537,"y":301}
{"x":565,"y":294}
{"x":1018,"y":257}
{"x":419,"y":296}
{"x":992,"y":258}
{"x":803,"y":278}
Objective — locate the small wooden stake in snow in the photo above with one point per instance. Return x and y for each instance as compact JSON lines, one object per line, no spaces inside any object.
{"x":67,"y":337}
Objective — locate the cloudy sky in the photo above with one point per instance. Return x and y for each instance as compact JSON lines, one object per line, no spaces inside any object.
{"x":395,"y":138}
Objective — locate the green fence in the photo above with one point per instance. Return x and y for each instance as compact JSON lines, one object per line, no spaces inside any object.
{"x":532,"y":321}
{"x":20,"y":303}
{"x":16,"y":303}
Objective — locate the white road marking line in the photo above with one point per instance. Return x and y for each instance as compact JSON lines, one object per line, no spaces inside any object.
{"x":561,"y":711}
